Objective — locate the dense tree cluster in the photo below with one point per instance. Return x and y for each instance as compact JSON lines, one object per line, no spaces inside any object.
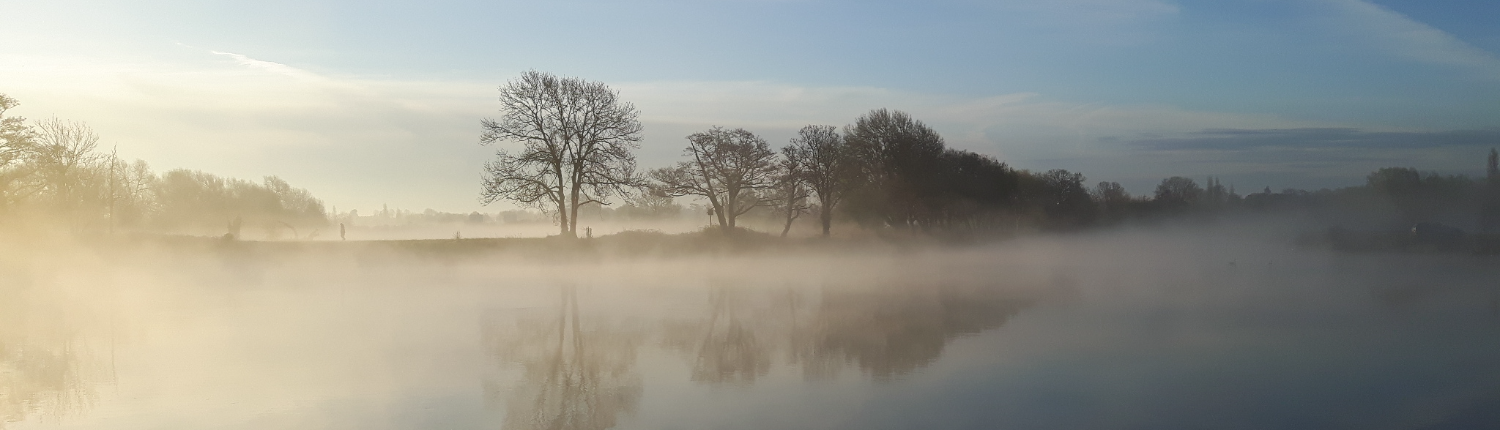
{"x":891,"y":171}
{"x":54,"y":169}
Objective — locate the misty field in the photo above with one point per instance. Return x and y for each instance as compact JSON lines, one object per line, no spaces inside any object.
{"x":1187,"y":327}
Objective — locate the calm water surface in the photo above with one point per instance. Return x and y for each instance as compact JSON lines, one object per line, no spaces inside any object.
{"x":1123,"y":332}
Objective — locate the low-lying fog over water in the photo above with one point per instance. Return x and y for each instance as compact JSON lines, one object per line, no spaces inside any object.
{"x":1181,"y":328}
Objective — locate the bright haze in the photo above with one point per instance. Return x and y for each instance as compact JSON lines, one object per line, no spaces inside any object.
{"x":371,"y":103}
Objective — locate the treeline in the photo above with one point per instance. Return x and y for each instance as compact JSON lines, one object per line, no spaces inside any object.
{"x":53,"y":170}
{"x":888,"y":170}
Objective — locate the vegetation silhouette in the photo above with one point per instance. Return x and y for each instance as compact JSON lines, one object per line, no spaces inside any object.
{"x":576,"y":140}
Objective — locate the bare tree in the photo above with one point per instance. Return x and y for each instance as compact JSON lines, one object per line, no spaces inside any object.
{"x":576,"y":140}
{"x":730,"y":168}
{"x":822,"y":159}
{"x":64,"y":157}
{"x":790,"y":197}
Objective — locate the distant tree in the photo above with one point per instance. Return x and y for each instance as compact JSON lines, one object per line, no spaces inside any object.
{"x":576,"y":138}
{"x":64,"y":161}
{"x":196,"y":200}
{"x":824,"y":161}
{"x":651,"y":204}
{"x":1492,"y":166}
{"x":1489,"y":212}
{"x":1065,"y":199}
{"x":789,"y":195}
{"x":975,"y":189}
{"x":899,"y":169}
{"x":1217,"y":196}
{"x":1110,"y":194}
{"x":1177,"y":192}
{"x":15,"y":135}
{"x":730,"y":168}
{"x":16,"y":140}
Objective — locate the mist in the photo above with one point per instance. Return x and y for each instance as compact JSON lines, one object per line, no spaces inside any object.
{"x":1175,"y":326}
{"x":1103,"y":214}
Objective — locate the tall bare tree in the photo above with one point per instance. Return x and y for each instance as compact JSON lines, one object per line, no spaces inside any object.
{"x":65,"y":161}
{"x":791,"y":195}
{"x":823,"y":162}
{"x":576,"y":139}
{"x":730,"y":168}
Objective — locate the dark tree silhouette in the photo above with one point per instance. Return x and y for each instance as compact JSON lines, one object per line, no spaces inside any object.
{"x":790,"y":194}
{"x":823,"y":161}
{"x":1065,"y":199}
{"x":576,"y":140}
{"x":1177,"y":193}
{"x":1112,"y":199}
{"x":899,"y":169}
{"x":1489,"y":212}
{"x":730,"y":168}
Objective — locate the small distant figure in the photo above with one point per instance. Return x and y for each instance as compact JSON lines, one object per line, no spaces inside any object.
{"x":456,"y":236}
{"x":341,"y":231}
{"x":588,"y":232}
{"x":234,"y":229}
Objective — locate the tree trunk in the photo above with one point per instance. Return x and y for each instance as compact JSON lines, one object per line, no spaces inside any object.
{"x":573,"y":222}
{"x":732,"y":204}
{"x":826,"y":217}
{"x":789,"y":219}
{"x":562,"y":217}
{"x":719,"y":212}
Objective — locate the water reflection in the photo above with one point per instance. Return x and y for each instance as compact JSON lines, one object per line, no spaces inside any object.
{"x":894,"y":330}
{"x":577,"y":373}
{"x":46,"y":368}
{"x":726,"y":346}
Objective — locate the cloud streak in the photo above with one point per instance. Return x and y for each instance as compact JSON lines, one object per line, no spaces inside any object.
{"x":1318,"y":138}
{"x":1414,"y":40}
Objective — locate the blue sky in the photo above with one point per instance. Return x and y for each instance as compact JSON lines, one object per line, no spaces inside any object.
{"x":379,"y":102}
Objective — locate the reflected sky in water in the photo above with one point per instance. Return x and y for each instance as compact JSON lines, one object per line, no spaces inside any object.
{"x":1129,"y":332}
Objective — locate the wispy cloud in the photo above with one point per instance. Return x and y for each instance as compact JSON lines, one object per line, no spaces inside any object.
{"x":1414,"y":40}
{"x":1318,"y":138}
{"x":269,"y":66}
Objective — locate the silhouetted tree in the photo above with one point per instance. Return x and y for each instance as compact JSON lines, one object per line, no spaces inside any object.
{"x":823,"y":161}
{"x":1216,"y":196}
{"x":789,"y":196}
{"x":975,"y":189}
{"x":1065,"y":199}
{"x":1492,"y":166}
{"x":576,"y":140}
{"x":1112,"y":199}
{"x":1177,"y":193}
{"x":1489,"y":212}
{"x":898,"y":171}
{"x":730,"y":168}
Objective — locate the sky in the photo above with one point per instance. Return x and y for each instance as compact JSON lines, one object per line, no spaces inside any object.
{"x":374,"y":103}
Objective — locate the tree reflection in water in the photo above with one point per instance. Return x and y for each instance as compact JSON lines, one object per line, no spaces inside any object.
{"x":729,"y":350}
{"x":45,"y":368}
{"x":577,"y":373}
{"x":884,"y":331}
{"x":891,"y":331}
